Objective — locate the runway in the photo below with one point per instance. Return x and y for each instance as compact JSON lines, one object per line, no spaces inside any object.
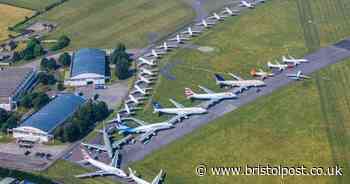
{"x":319,"y":59}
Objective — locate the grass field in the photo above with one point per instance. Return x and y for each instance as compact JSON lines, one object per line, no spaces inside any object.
{"x":64,"y":172}
{"x":249,"y":41}
{"x":305,"y":123}
{"x":313,"y":129}
{"x":11,"y":15}
{"x":29,"y":4}
{"x":104,"y":23}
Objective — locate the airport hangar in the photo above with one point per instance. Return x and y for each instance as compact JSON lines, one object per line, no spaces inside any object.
{"x":88,"y":67}
{"x":14,"y":82}
{"x":40,"y":126}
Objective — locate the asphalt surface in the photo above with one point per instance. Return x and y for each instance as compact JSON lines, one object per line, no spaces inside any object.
{"x":320,"y":59}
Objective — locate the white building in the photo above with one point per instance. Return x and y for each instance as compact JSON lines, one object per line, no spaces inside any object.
{"x":14,"y":82}
{"x":40,"y":126}
{"x":88,"y":67}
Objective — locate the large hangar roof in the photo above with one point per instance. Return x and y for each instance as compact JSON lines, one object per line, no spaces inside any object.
{"x":54,"y":113}
{"x":89,"y":60}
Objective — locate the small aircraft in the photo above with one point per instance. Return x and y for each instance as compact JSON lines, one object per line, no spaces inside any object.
{"x":279,"y":66}
{"x":215,"y":16}
{"x":144,"y":61}
{"x":156,"y":180}
{"x":263,"y":75}
{"x":179,"y":39}
{"x":206,"y":24}
{"x":238,"y":82}
{"x":247,"y":4}
{"x":298,"y":76}
{"x":230,"y":12}
{"x":135,"y":100}
{"x":146,"y":129}
{"x":191,"y":32}
{"x":179,"y":109}
{"x":208,"y":95}
{"x":107,"y":147}
{"x":155,"y":53}
{"x":167,"y":46}
{"x":150,"y":72}
{"x":104,"y":169}
{"x":138,"y":89}
{"x":147,"y":80}
{"x":293,"y":61}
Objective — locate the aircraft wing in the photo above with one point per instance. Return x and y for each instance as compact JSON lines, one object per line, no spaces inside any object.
{"x":177,"y":105}
{"x":117,"y":144}
{"x":158,"y":178}
{"x":115,"y":160}
{"x":235,"y":76}
{"x":206,"y":90}
{"x":138,"y":121}
{"x":95,"y":146}
{"x":92,"y":174}
{"x":146,"y":136}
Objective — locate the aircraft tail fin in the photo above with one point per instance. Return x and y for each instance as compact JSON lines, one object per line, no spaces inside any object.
{"x":158,"y":178}
{"x":131,"y":173}
{"x":188,"y":92}
{"x":156,"y":106}
{"x":253,"y":72}
{"x":219,"y":77}
{"x":85,"y":154}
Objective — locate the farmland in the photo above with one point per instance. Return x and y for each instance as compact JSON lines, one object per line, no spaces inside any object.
{"x":29,"y":4}
{"x":104,"y":23}
{"x":13,"y":15}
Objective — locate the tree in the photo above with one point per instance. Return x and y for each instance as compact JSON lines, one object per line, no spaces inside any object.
{"x":41,"y":100}
{"x":48,"y":64}
{"x":46,"y":79}
{"x":101,"y":111}
{"x":96,"y":96}
{"x":65,"y":59}
{"x":10,"y":123}
{"x":38,"y":50}
{"x":3,"y":115}
{"x":62,"y":42}
{"x":60,"y":86}
{"x":122,"y":69}
{"x":33,"y":49}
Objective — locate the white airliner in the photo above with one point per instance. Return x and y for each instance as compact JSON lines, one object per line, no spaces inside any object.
{"x":263,"y":75}
{"x":128,"y":110}
{"x":167,"y":46}
{"x":147,"y":80}
{"x":150,"y":72}
{"x":144,"y":61}
{"x":293,"y":61}
{"x":298,"y":76}
{"x":238,"y":82}
{"x":179,"y":39}
{"x":107,"y":146}
{"x":230,"y":12}
{"x":279,"y":66}
{"x":135,"y":100}
{"x":143,"y":91}
{"x":206,"y":24}
{"x":208,"y":95}
{"x":146,"y":129}
{"x":179,"y":109}
{"x":104,"y":169}
{"x":215,"y":16}
{"x":155,"y":53}
{"x":247,"y":4}
{"x":156,"y":180}
{"x":191,"y":32}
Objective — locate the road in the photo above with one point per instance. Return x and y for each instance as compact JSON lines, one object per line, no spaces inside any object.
{"x":319,"y":59}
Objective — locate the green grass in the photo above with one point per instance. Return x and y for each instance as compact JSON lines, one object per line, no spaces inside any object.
{"x":104,"y":23}
{"x":64,"y":172}
{"x":249,"y":41}
{"x":305,"y":123}
{"x":30,"y":4}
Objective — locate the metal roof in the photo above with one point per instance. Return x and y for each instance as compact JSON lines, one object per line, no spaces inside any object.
{"x":12,"y":78}
{"x":89,"y":60}
{"x":54,"y":113}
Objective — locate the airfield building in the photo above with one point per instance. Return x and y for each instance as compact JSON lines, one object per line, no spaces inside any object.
{"x":14,"y":82}
{"x":88,"y":67}
{"x":40,"y":126}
